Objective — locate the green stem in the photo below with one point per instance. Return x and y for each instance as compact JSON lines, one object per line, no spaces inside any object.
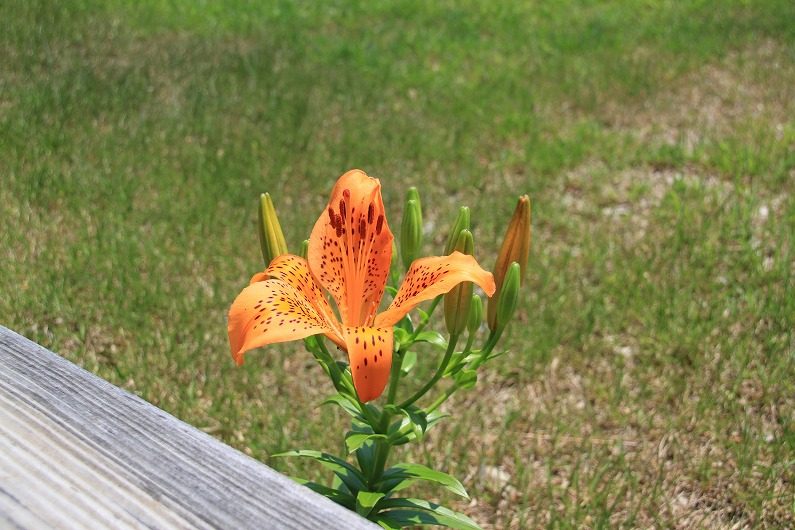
{"x":494,"y":337}
{"x":438,"y":375}
{"x":424,"y":323}
{"x":337,"y":376}
{"x":470,"y":340}
{"x":444,"y":397}
{"x":394,"y":376}
{"x":485,"y":351}
{"x":383,"y":447}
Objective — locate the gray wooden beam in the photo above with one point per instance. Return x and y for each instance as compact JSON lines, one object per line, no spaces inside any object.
{"x":78,"y":452}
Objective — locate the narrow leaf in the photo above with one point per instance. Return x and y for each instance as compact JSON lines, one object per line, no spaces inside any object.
{"x":346,"y":472}
{"x":466,"y":379}
{"x":408,"y":517}
{"x":347,"y":404}
{"x":409,"y":360}
{"x":432,"y":337}
{"x":340,"y":497}
{"x":442,"y":515}
{"x":404,"y":475}
{"x":354,"y":440}
{"x":366,"y":500}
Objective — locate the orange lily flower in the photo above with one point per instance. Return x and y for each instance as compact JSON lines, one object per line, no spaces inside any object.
{"x":350,"y":251}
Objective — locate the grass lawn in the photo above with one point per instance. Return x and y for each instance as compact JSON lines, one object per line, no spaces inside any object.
{"x":651,"y":375}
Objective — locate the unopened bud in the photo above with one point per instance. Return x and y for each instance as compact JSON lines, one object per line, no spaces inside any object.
{"x":414,"y":195}
{"x":411,"y":232}
{"x":475,"y":314}
{"x":459,"y":298}
{"x":304,"y":249}
{"x":461,"y":223}
{"x":515,"y":248}
{"x":508,"y":297}
{"x":271,"y":238}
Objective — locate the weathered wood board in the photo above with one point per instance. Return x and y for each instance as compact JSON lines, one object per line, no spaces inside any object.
{"x":78,"y":452}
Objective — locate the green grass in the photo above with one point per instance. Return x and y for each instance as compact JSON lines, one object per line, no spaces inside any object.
{"x":651,"y":379}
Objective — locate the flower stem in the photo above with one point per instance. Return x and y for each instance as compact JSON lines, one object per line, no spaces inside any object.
{"x":444,"y":397}
{"x":485,"y":351}
{"x":494,"y":337}
{"x":424,"y":323}
{"x":383,"y":447}
{"x":336,"y":375}
{"x":438,"y":375}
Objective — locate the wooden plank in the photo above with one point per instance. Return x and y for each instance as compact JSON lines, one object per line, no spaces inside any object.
{"x":78,"y":452}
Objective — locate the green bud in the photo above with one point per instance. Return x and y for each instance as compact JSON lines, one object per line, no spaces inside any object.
{"x":459,"y":298}
{"x":508,"y":296}
{"x":411,"y":232}
{"x":475,"y":314}
{"x":461,"y":223}
{"x":304,"y":249}
{"x":414,"y":195}
{"x":271,"y":238}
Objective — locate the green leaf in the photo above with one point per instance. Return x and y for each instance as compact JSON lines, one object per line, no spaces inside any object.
{"x":340,"y":497}
{"x":405,"y":324}
{"x":456,"y":364}
{"x":432,"y":337}
{"x":347,"y":403}
{"x":416,"y":511}
{"x":417,"y":419}
{"x":354,"y":440}
{"x":466,"y":379}
{"x":351,"y":476}
{"x":365,"y":455}
{"x":494,"y":355}
{"x":424,"y":316}
{"x":338,"y":484}
{"x":389,"y":524}
{"x":409,"y":360}
{"x":435,"y":417}
{"x":391,"y":290}
{"x":400,"y":337}
{"x":412,"y":426}
{"x":366,"y":500}
{"x":404,"y":475}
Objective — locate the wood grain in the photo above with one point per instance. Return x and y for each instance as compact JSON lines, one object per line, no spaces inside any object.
{"x":78,"y":452}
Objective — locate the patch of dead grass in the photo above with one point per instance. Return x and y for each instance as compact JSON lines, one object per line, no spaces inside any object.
{"x":756,"y":84}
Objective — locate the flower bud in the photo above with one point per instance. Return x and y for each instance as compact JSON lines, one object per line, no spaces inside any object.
{"x":271,"y":239}
{"x":414,"y":195}
{"x":304,"y":249}
{"x":475,"y":314}
{"x":508,"y":297}
{"x":459,"y":298}
{"x":411,"y":232}
{"x":515,"y":248}
{"x":461,"y":223}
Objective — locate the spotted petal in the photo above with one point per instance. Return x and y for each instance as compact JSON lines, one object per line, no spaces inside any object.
{"x":271,"y":311}
{"x":370,"y":355}
{"x":350,"y":248}
{"x":429,"y":277}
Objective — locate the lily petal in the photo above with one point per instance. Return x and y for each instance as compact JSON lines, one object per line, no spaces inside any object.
{"x":295,"y":271}
{"x":350,"y":248}
{"x":370,"y":355}
{"x":432,"y":276}
{"x":271,"y":311}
